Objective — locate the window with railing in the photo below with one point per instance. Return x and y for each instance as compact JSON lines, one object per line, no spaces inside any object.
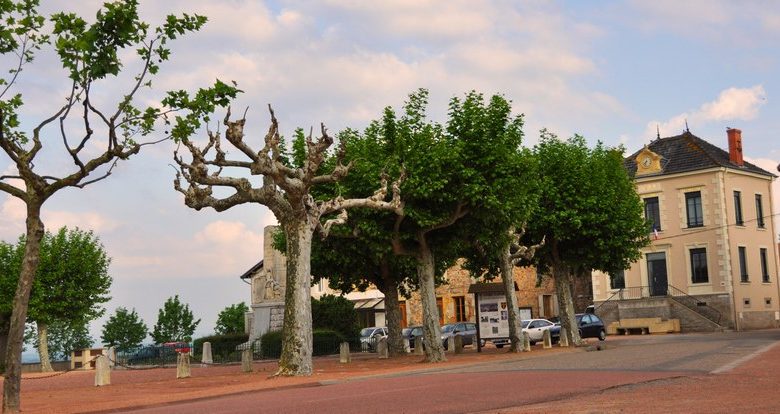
{"x":653,"y":213}
{"x":743,"y":271}
{"x":699,"y":272}
{"x":764,"y":266}
{"x":759,"y":212}
{"x":738,"y":208}
{"x":694,"y":210}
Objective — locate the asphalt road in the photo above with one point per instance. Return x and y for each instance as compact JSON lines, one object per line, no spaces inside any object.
{"x":493,"y":386}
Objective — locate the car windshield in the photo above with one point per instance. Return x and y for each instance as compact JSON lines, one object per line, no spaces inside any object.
{"x":405,"y":331}
{"x":524,"y":324}
{"x":578,"y":317}
{"x":366,"y":332}
{"x":448,"y":328}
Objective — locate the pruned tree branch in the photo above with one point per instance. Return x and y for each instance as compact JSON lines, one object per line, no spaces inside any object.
{"x":522,"y":252}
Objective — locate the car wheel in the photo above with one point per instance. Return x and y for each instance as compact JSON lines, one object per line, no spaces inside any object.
{"x":602,"y":335}
{"x":533,"y":342}
{"x":499,"y":346}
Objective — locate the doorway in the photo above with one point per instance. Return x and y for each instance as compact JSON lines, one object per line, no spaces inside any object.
{"x":656,"y":274}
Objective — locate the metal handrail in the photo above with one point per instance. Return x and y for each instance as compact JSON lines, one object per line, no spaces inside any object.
{"x":695,"y":305}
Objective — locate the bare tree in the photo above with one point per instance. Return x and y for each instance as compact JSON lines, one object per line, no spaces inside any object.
{"x":89,"y":53}
{"x":287,"y":191}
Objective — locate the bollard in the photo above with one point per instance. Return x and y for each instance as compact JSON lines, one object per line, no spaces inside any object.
{"x":418,"y":345}
{"x":344,"y":356}
{"x":547,"y":339}
{"x":102,"y":371}
{"x":246,"y":360}
{"x":526,"y":342}
{"x":458,"y":344}
{"x":381,"y":348}
{"x":564,"y":339}
{"x":206,"y":357}
{"x":183,"y":365}
{"x":407,"y":347}
{"x":450,"y":344}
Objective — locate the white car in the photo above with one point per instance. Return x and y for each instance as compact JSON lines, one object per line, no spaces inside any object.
{"x":536,"y":328}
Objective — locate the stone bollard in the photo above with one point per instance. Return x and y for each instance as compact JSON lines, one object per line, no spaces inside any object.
{"x":246,"y":360}
{"x":458,"y":344}
{"x":102,"y":371}
{"x":111,"y":354}
{"x":407,"y":347}
{"x":418,"y":345}
{"x":381,"y":348}
{"x":450,"y":344}
{"x":344,"y":356}
{"x":564,"y":339}
{"x":206,"y":357}
{"x":183,"y":365}
{"x":526,"y":342}
{"x":546,"y":339}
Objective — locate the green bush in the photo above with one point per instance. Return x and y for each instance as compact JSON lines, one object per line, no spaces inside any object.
{"x":326,"y":342}
{"x":223,"y":347}
{"x":335,"y":313}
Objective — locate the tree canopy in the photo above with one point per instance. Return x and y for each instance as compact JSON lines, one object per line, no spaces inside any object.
{"x":588,"y":211}
{"x":175,"y":322}
{"x":231,"y":319}
{"x":124,"y":330}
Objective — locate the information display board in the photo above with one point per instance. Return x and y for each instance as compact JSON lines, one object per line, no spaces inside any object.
{"x":493,"y":316}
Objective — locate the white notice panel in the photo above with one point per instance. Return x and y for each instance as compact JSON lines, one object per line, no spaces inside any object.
{"x":493,"y":316}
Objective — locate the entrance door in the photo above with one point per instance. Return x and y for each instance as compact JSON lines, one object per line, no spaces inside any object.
{"x":656,"y":274}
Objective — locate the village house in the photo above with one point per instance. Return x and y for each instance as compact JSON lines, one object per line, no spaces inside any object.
{"x":712,"y":263}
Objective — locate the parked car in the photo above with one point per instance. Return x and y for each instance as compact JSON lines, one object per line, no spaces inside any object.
{"x":151,"y":355}
{"x":370,"y":336}
{"x":589,"y":325}
{"x":536,"y":328}
{"x":466,"y":330}
{"x":411,"y":333}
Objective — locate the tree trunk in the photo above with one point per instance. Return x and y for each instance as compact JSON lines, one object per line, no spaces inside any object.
{"x":13,"y":356}
{"x":297,"y":341}
{"x":434,"y":351}
{"x":389,"y":288}
{"x":563,"y":281}
{"x":507,"y":276}
{"x":43,"y":347}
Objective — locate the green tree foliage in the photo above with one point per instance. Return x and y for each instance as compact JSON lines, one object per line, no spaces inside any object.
{"x":93,"y":54}
{"x":63,"y":337}
{"x":175,"y":322}
{"x":588,"y":212}
{"x":231,"y":319}
{"x":71,"y":284}
{"x":336,"y":313}
{"x":124,"y":330}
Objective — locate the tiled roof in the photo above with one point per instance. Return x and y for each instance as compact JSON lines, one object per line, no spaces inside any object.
{"x":251,"y":272}
{"x":687,"y":152}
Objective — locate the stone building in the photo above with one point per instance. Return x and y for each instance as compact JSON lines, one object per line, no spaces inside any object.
{"x":712,"y":263}
{"x":456,"y":304}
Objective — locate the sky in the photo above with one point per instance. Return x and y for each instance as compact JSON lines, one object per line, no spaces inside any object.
{"x":610,"y":71}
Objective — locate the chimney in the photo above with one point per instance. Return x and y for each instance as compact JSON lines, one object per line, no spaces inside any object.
{"x":735,"y":146}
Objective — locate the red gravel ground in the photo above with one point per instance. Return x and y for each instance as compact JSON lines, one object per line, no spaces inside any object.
{"x":75,"y":392}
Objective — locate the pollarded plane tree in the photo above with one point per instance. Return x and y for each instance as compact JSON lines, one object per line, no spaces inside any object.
{"x":287,"y":191}
{"x":92,"y":135}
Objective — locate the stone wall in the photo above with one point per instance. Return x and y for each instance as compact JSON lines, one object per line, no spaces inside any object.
{"x":458,"y":282}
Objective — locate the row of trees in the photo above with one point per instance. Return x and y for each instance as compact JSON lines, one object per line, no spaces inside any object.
{"x":468,"y":186}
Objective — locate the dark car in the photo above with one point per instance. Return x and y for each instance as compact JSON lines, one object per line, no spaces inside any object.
{"x":411,"y":333}
{"x":466,"y":330}
{"x":589,"y":325}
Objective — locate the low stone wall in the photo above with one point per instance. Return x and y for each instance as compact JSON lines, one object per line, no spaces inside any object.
{"x":758,"y":320}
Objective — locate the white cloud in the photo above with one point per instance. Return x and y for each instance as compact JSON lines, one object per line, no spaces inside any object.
{"x":732,"y":104}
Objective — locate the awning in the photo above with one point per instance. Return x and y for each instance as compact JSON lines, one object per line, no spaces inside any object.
{"x":366,"y":304}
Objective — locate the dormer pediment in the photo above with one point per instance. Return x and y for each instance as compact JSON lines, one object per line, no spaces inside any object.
{"x":647,"y":162}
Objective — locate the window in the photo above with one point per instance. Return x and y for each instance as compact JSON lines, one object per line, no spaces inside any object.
{"x":746,"y":302}
{"x":699,"y":266}
{"x":738,"y":208}
{"x":653,"y":213}
{"x":764,"y":269}
{"x":768,"y":302}
{"x":743,"y":273}
{"x":693,"y":209}
{"x":617,"y":280}
{"x":759,"y":212}
{"x":460,"y":308}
